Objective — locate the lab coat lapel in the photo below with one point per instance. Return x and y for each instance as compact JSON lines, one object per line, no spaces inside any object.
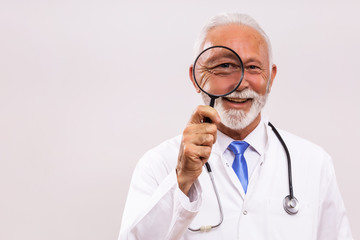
{"x":253,"y":181}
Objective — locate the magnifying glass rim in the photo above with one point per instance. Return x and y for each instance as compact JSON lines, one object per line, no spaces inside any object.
{"x":241,"y":78}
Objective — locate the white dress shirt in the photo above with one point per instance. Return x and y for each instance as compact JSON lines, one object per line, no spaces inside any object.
{"x":157,"y":209}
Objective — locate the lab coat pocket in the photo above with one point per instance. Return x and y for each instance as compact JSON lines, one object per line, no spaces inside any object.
{"x":282,"y":225}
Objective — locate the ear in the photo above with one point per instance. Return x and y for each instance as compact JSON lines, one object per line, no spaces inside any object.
{"x":272,"y":77}
{"x":192,"y":78}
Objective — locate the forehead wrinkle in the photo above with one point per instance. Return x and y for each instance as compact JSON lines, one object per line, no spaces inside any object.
{"x":251,"y":31}
{"x":215,"y":37}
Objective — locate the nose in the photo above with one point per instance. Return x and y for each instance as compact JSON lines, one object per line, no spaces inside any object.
{"x":244,"y":83}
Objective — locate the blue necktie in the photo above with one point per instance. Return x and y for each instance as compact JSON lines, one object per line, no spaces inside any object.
{"x":239,"y":165}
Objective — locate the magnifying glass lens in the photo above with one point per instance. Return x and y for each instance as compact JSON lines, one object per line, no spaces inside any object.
{"x":218,"y":71}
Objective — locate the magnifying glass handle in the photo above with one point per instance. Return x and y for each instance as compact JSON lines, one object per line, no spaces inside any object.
{"x":212,"y":103}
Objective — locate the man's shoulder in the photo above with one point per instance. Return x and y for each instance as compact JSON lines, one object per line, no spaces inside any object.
{"x":296,"y":138}
{"x":302,"y":146}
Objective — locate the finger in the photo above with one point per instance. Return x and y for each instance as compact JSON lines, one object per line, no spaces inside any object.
{"x":203,"y":140}
{"x":196,"y":154}
{"x":200,"y":134}
{"x":203,"y":112}
{"x":201,"y":128}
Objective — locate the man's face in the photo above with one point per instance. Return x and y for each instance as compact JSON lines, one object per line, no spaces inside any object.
{"x":243,"y":107}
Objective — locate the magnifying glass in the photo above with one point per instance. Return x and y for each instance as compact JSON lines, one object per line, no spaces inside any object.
{"x":218,"y":71}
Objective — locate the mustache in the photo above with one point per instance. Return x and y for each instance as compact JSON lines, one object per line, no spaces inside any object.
{"x":246,"y":93}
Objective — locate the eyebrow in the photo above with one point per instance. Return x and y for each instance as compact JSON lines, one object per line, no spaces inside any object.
{"x":222,"y":59}
{"x":252,"y":59}
{"x":220,"y":56}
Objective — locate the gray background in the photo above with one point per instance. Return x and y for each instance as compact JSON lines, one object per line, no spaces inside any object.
{"x":86,"y":87}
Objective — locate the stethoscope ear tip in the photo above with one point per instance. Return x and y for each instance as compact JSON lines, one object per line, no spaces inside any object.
{"x":291,"y":205}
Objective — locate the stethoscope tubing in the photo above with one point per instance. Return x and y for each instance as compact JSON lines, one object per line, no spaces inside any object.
{"x":291,"y":193}
{"x":290,"y":203}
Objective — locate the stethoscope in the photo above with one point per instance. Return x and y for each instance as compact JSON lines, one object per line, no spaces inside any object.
{"x":290,"y":203}
{"x":218,"y":71}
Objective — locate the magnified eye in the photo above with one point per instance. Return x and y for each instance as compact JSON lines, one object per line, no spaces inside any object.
{"x":224,"y":65}
{"x":225,"y":68}
{"x":218,"y":71}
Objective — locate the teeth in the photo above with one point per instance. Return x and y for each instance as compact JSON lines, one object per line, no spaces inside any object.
{"x":238,"y":100}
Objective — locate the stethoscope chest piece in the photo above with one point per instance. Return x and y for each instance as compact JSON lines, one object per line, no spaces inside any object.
{"x":291,"y":206}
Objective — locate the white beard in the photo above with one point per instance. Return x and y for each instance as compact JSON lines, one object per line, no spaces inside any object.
{"x":238,"y":119}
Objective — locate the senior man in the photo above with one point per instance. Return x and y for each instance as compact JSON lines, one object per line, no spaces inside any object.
{"x":171,"y":194}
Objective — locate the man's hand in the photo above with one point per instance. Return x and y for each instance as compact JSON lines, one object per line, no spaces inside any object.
{"x":198,"y":138}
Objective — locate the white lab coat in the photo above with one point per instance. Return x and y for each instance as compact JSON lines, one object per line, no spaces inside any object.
{"x":156,"y":208}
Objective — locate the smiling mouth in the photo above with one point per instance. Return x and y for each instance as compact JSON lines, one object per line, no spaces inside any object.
{"x":237,"y":100}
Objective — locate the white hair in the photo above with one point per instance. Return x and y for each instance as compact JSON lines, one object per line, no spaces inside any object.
{"x":227,"y":19}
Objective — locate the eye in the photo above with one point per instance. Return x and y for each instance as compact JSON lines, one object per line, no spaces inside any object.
{"x":224,"y":69}
{"x":224,"y":65}
{"x":253,"y":67}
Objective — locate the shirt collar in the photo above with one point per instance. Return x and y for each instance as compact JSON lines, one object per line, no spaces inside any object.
{"x":257,"y":139}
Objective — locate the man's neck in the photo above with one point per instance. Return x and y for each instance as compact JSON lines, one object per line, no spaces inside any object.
{"x":242,"y":133}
